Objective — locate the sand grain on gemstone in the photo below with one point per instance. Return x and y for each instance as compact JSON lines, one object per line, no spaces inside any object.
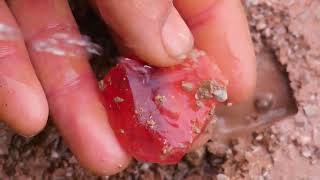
{"x":118,"y":99}
{"x":160,"y":99}
{"x":187,"y":86}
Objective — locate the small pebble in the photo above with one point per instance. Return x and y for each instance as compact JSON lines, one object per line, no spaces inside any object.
{"x":306,"y":153}
{"x":187,"y":86}
{"x":151,"y":123}
{"x":311,"y":110}
{"x":221,"y":95}
{"x":222,"y":177}
{"x":54,"y":155}
{"x":195,"y":129}
{"x":259,"y":137}
{"x":160,"y":99}
{"x":101,"y":85}
{"x":118,"y":99}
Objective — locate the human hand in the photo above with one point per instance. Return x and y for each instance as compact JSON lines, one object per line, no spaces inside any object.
{"x":153,"y":29}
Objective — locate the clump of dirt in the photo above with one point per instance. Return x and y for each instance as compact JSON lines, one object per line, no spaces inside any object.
{"x":289,"y":149}
{"x":211,"y":89}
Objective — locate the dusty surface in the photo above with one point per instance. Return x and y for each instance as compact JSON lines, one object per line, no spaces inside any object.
{"x":290,"y":149}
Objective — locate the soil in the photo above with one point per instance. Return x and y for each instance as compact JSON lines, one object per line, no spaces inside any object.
{"x":286,"y":32}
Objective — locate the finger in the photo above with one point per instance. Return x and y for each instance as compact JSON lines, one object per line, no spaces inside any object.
{"x":71,"y":88}
{"x":153,"y":29}
{"x":23,"y":105}
{"x":220,"y":28}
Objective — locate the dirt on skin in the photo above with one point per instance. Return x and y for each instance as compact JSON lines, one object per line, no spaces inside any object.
{"x":285,"y":30}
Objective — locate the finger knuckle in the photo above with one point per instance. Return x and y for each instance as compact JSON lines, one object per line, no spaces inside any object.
{"x":68,"y":85}
{"x":7,"y":50}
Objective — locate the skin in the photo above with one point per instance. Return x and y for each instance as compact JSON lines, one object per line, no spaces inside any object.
{"x":41,"y":81}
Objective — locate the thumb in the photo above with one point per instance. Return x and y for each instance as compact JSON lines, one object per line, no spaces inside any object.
{"x":153,"y":29}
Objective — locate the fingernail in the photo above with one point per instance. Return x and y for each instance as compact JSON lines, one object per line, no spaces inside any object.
{"x":28,"y":136}
{"x":176,"y":36}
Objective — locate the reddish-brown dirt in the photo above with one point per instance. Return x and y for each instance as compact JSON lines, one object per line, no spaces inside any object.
{"x":285,"y":32}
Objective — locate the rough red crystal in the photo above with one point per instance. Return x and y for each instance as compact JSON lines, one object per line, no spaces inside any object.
{"x":157,"y":113}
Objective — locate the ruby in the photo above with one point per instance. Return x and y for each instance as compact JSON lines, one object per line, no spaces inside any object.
{"x":157,"y":113}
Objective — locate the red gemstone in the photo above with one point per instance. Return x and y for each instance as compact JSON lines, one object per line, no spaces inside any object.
{"x":157,"y":113}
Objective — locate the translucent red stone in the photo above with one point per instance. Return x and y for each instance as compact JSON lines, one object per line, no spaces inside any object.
{"x":153,"y":111}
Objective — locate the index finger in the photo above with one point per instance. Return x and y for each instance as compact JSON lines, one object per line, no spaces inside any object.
{"x":153,"y":29}
{"x":220,"y":28}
